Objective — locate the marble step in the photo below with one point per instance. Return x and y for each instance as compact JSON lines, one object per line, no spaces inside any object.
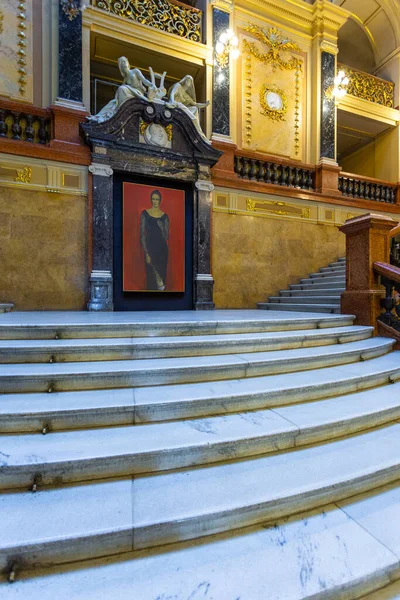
{"x":315,"y":308}
{"x":72,"y":325}
{"x":76,"y":522}
{"x":95,"y":349}
{"x":6,"y":307}
{"x":80,"y":409}
{"x":340,"y":287}
{"x":17,"y":378}
{"x":326,"y":274}
{"x":321,"y":278}
{"x":339,"y":263}
{"x":317,"y":299}
{"x":342,"y":259}
{"x":85,"y":455}
{"x":314,"y":291}
{"x":344,"y":550}
{"x":341,"y":269}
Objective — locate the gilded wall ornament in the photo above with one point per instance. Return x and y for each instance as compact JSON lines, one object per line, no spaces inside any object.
{"x":22,"y":45}
{"x":276,"y":43}
{"x":273,"y":102}
{"x":24,"y":175}
{"x":1,"y":20}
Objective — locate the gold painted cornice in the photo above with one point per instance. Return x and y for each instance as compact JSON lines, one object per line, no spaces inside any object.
{"x":225,"y":5}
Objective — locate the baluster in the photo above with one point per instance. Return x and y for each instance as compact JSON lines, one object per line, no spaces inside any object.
{"x":378,"y":193}
{"x":340,"y":184}
{"x":237,"y":165}
{"x":29,"y":131}
{"x":268,"y":173}
{"x":261,"y":170}
{"x":253,"y":169}
{"x":16,"y":127}
{"x":290,"y":178}
{"x":367,"y":187}
{"x":388,"y":303}
{"x":285,"y":174}
{"x":392,"y":195}
{"x":42,"y":133}
{"x":297,"y":178}
{"x":3,"y":124}
{"x":387,"y":194}
{"x":373,"y":191}
{"x":246,"y":167}
{"x":303,"y":178}
{"x":275,"y":174}
{"x":350,"y":187}
{"x":310,"y":183}
{"x":345,"y":186}
{"x":356,"y":191}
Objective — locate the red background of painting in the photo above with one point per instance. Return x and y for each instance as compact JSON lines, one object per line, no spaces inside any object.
{"x":136,"y":198}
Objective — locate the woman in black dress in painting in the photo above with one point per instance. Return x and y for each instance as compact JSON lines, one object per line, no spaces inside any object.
{"x":154,"y":234}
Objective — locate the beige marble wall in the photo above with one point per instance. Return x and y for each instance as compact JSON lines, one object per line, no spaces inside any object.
{"x":43,"y":249}
{"x":16,"y":80}
{"x":253,"y":258}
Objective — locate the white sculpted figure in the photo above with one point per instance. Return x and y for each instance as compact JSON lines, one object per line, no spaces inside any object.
{"x":183,"y":95}
{"x":135,"y":85}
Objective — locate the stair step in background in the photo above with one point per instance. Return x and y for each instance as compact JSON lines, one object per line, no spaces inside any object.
{"x":322,"y":290}
{"x":6,"y":307}
{"x":254,"y":439}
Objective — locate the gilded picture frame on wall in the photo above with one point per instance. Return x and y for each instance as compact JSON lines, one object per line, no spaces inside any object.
{"x":273,"y":102}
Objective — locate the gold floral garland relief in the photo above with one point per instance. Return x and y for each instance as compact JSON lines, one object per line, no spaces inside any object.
{"x":276,"y":44}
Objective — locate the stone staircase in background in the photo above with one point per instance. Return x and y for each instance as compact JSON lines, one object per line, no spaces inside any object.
{"x":320,"y":292}
{"x":217,"y":455}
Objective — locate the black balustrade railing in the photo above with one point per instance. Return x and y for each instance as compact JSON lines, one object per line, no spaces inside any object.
{"x":368,"y":190}
{"x":24,"y":126}
{"x":274,"y":173}
{"x":390,"y":279}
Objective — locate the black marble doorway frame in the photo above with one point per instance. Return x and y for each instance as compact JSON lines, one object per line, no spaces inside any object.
{"x":117,"y":146}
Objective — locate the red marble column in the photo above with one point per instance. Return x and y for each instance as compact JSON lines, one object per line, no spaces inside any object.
{"x":367,"y":241}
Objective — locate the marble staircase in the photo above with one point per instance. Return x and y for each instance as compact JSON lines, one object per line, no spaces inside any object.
{"x":218,"y":455}
{"x":320,"y":292}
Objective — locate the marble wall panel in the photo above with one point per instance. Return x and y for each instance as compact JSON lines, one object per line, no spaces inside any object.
{"x":260,"y":132}
{"x":253,"y":258}
{"x":43,"y":250}
{"x":328,"y":109}
{"x":16,"y":79}
{"x":221,"y":77}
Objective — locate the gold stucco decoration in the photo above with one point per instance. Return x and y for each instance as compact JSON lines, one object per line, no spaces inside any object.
{"x":276,"y":43}
{"x":181,"y":20}
{"x":24,"y":175}
{"x":282,"y":208}
{"x":22,"y":44}
{"x":273,"y":102}
{"x":144,"y":126}
{"x":248,"y":98}
{"x":1,"y":20}
{"x":368,"y":87}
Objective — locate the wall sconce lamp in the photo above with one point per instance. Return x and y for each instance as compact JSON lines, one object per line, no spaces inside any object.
{"x":339,"y":88}
{"x":226,"y":46}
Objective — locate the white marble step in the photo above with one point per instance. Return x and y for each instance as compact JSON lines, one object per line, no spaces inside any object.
{"x":321,"y":554}
{"x":340,"y":287}
{"x":72,"y":325}
{"x":24,"y":351}
{"x":313,"y":291}
{"x":320,"y":278}
{"x":122,"y":451}
{"x":17,"y":378}
{"x":339,"y":263}
{"x":388,"y":592}
{"x":340,"y":269}
{"x":97,"y":519}
{"x":325,"y":274}
{"x":6,"y":307}
{"x":295,"y":307}
{"x":74,"y":410}
{"x":317,"y":299}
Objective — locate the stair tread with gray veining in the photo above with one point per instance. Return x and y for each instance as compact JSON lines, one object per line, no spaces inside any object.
{"x":322,"y":299}
{"x":185,"y":504}
{"x":6,"y":307}
{"x":136,"y":373}
{"x":74,"y":325}
{"x":82,"y":455}
{"x":323,"y":308}
{"x":338,"y":287}
{"x":346,"y":550}
{"x":326,"y":292}
{"x":323,"y":279}
{"x":34,"y":351}
{"x":31,"y":412}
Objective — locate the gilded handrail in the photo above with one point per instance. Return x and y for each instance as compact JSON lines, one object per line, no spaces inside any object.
{"x":369,"y":87}
{"x":166,"y":15}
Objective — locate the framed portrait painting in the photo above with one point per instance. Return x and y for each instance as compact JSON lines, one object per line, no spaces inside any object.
{"x":153,"y":225}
